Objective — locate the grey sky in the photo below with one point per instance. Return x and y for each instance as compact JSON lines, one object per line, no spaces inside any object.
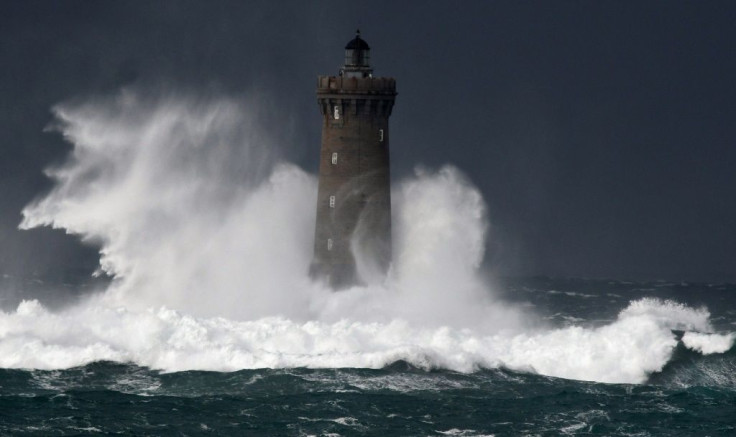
{"x":601,"y":134}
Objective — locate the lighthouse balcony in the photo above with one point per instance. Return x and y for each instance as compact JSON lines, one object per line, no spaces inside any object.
{"x":341,"y":84}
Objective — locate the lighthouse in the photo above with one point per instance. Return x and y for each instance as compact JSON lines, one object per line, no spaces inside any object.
{"x":352,"y":238}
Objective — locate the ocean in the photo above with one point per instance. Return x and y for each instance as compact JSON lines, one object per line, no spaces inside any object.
{"x":692,"y":394}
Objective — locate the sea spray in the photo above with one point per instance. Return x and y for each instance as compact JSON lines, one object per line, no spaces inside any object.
{"x":181,"y":225}
{"x":188,"y":201}
{"x":208,"y":236}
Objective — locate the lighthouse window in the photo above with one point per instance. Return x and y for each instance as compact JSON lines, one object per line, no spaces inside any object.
{"x":380,"y":135}
{"x":337,"y":112}
{"x":332,"y":201}
{"x":334,"y":158}
{"x":329,"y":244}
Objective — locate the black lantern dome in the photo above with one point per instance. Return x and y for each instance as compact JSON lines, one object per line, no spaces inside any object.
{"x":357,"y":58}
{"x":357,"y":43}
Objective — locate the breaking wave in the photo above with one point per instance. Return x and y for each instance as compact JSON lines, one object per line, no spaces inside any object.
{"x":208,"y":236}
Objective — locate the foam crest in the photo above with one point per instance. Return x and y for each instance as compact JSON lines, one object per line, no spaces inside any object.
{"x":669,"y":314}
{"x":708,"y":343}
{"x":626,"y":350}
{"x":638,"y":343}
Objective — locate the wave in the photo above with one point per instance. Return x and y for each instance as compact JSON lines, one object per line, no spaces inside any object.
{"x":640,"y":342}
{"x":208,"y":236}
{"x":689,"y":367}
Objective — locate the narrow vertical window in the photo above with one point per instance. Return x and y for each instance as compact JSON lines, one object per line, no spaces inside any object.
{"x":332,"y":201}
{"x":337,"y":112}
{"x":380,"y":135}
{"x":329,"y":244}
{"x":334,"y":158}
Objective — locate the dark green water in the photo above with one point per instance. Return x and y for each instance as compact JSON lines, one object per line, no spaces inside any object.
{"x":694,"y":395}
{"x":399,"y":400}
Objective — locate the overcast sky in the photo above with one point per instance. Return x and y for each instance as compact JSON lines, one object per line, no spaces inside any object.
{"x":601,"y":133}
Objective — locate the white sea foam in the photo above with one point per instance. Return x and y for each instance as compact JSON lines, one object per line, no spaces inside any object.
{"x":708,"y":343}
{"x":624,"y":351}
{"x":209,"y":237}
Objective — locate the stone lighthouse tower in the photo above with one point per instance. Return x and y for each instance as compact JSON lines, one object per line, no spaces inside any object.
{"x":352,"y":239}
